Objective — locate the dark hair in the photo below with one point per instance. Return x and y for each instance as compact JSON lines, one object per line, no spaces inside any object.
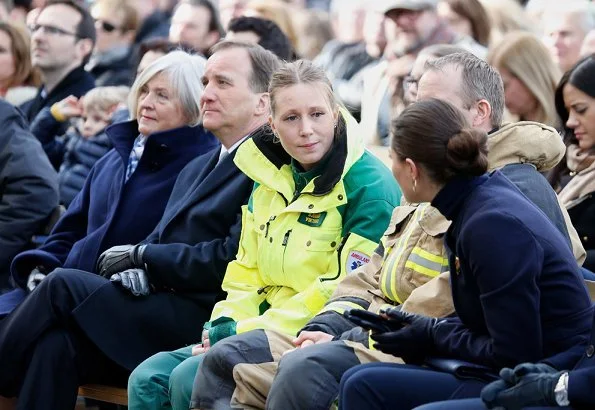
{"x":434,"y":134}
{"x":157,"y":44}
{"x":215,"y":20}
{"x":25,"y":4}
{"x":271,"y":36}
{"x":581,"y":76}
{"x":264,"y":63}
{"x":86,"y":27}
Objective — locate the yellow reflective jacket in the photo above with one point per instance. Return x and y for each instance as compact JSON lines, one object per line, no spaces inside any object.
{"x":296,"y":246}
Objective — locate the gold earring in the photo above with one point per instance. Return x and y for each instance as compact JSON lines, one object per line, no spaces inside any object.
{"x":414,"y":184}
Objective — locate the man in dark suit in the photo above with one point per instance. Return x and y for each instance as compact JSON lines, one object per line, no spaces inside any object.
{"x":93,"y":329}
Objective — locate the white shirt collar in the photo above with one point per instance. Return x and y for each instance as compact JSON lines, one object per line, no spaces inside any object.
{"x":224,"y":151}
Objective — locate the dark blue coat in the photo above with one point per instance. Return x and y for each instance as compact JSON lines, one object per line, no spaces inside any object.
{"x":80,"y":156}
{"x":28,"y":187}
{"x":105,"y":214}
{"x":582,"y":377}
{"x":73,"y":154}
{"x":76,"y":83}
{"x":186,"y":258}
{"x":517,"y":290}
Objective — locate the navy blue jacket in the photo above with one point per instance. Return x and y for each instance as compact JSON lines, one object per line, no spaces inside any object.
{"x":193,"y":235}
{"x":185,"y":258}
{"x":28,"y":187}
{"x":517,"y":290}
{"x":108,"y":212}
{"x":79,"y":157}
{"x":72,"y":154}
{"x":582,"y":377}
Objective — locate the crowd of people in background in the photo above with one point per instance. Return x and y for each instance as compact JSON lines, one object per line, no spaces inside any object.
{"x":298,"y":204}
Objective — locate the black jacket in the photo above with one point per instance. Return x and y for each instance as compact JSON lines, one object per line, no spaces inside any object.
{"x":76,"y":83}
{"x":582,"y":215}
{"x":28,"y":187}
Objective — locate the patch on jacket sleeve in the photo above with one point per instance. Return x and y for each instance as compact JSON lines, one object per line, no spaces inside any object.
{"x":355,"y":260}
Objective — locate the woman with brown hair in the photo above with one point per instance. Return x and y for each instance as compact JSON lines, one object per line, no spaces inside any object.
{"x":466,"y":17}
{"x":18,"y":79}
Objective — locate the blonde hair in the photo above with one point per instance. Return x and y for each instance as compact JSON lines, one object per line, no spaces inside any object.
{"x":301,"y":72}
{"x":525,"y":57}
{"x":184,"y":72}
{"x":104,"y":98}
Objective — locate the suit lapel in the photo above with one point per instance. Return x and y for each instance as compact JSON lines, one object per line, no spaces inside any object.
{"x":208,"y":180}
{"x":222,"y":172}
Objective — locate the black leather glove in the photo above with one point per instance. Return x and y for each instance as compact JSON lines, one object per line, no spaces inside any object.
{"x":119,"y":258}
{"x":35,"y":277}
{"x":371,"y":321}
{"x":413,"y":342}
{"x":528,"y":385}
{"x":135,"y":280}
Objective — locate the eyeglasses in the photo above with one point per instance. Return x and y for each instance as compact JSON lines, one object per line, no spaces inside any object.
{"x":51,"y":30}
{"x":409,"y":81}
{"x":105,"y":26}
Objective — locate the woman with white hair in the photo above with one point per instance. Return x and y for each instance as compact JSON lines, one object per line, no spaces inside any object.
{"x":75,"y":321}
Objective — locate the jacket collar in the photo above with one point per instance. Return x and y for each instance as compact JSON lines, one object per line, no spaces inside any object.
{"x":453,"y":195}
{"x":72,"y":79}
{"x":170,"y":142}
{"x":266,"y":162}
{"x":525,"y":142}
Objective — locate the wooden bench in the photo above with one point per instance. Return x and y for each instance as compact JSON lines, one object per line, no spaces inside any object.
{"x":100,"y":392}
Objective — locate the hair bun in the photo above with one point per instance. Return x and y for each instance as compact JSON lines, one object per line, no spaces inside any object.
{"x":466,"y":152}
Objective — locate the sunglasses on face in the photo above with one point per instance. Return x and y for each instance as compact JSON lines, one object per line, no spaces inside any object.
{"x":105,"y":26}
{"x":51,"y":30}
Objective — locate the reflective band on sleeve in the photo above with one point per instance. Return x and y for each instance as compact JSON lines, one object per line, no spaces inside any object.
{"x":428,"y":264}
{"x":341,"y":306}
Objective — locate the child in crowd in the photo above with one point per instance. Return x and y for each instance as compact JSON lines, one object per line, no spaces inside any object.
{"x":75,"y":153}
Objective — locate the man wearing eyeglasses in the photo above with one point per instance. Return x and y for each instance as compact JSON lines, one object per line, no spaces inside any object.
{"x":62,"y":39}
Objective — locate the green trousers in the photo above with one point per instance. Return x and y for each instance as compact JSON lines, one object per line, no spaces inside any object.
{"x":163,"y":381}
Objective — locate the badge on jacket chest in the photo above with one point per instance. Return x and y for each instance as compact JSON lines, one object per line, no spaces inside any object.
{"x":315,"y":219}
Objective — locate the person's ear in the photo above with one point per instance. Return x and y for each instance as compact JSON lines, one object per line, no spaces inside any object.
{"x":271,"y":123}
{"x":212,"y":38}
{"x":263,"y":104}
{"x":413,"y":169}
{"x":85,"y":47}
{"x":483,"y":113}
{"x":128,"y":36}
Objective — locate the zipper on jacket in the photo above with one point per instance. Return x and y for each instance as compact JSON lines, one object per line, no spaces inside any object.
{"x":262,"y":290}
{"x":271,"y":219}
{"x":284,"y":244}
{"x":339,"y":249}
